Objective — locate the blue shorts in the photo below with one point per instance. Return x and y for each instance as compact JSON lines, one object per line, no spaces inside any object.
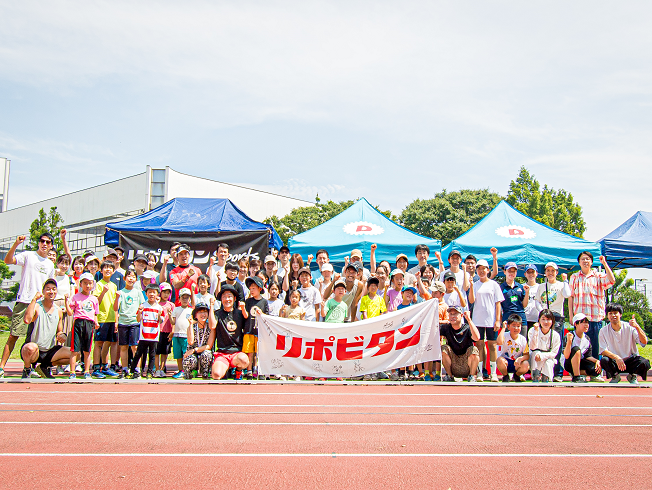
{"x":487,"y":332}
{"x":179,"y":347}
{"x":128,"y":334}
{"x":510,"y":365}
{"x":106,"y":333}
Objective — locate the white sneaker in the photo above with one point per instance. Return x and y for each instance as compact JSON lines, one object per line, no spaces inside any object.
{"x":281,"y":378}
{"x":494,"y":378}
{"x":297,"y":378}
{"x":597,"y":379}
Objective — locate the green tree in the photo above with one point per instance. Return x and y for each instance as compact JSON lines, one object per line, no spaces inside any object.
{"x":8,"y":294}
{"x":52,"y":223}
{"x":448,"y":214}
{"x":307,"y":217}
{"x":555,"y":208}
{"x":632,"y":301}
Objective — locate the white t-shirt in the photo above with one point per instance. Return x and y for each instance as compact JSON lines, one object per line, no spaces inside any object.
{"x":583,"y":342}
{"x":36,"y":270}
{"x":275,"y":306}
{"x":182,"y":318}
{"x":487,"y":294}
{"x":217,"y":275}
{"x":453,"y":299}
{"x":512,"y":349}
{"x":532,"y":309}
{"x":459,"y":278}
{"x":555,"y":296}
{"x":310,"y":298}
{"x":63,"y":286}
{"x":622,"y":343}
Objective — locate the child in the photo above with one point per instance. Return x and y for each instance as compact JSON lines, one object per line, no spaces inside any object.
{"x":310,"y":296}
{"x":335,"y":310}
{"x":231,"y":270}
{"x":372,"y":305}
{"x":254,"y":267}
{"x":127,"y":304}
{"x":201,"y":337}
{"x":164,"y":342}
{"x":578,"y":352}
{"x":254,"y":305}
{"x":150,"y":318}
{"x":203,"y":296}
{"x":84,"y":308}
{"x":453,"y":296}
{"x":92,"y":265}
{"x":514,"y":355}
{"x":407,"y":293}
{"x":393,"y":297}
{"x":77,"y":269}
{"x":326,"y":278}
{"x":544,"y":343}
{"x":294,"y":311}
{"x":65,"y":288}
{"x":274,"y":303}
{"x":105,"y":291}
{"x":181,"y":319}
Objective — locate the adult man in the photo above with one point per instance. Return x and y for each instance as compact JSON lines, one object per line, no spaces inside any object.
{"x":422,"y":253}
{"x":459,"y":356}
{"x":471,"y":260}
{"x":185,"y":275}
{"x":284,"y":258}
{"x":353,"y":289}
{"x":216,"y":271}
{"x":45,"y":320}
{"x":36,"y":269}
{"x":618,"y":347}
{"x":587,"y":295}
{"x":271,"y":268}
{"x":229,"y":333}
{"x":321,"y":259}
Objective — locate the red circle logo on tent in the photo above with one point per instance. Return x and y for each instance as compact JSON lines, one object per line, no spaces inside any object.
{"x":362,"y":228}
{"x":515,"y":231}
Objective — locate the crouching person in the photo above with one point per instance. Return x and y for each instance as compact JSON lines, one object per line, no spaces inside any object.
{"x":544,"y":344}
{"x":45,"y":320}
{"x":618,"y":347}
{"x":578,"y":352}
{"x":229,"y":335}
{"x":514,"y":355}
{"x":201,"y":337}
{"x":459,"y":356}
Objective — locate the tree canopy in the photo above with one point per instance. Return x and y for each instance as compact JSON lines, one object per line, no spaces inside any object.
{"x":51,"y":222}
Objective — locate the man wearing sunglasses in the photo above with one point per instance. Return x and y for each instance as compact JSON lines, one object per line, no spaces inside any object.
{"x":36,"y":269}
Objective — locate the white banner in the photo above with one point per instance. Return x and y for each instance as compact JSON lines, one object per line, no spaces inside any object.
{"x":344,"y":350}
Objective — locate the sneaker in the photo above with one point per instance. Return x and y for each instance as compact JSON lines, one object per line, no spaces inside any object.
{"x":393,"y":376}
{"x":44,"y":373}
{"x":448,"y":379}
{"x":506,"y":378}
{"x":578,"y":379}
{"x":366,"y":377}
{"x":536,"y":376}
{"x":238,"y":375}
{"x":297,"y":378}
{"x":382,"y":375}
{"x":372,"y":377}
{"x":2,"y":373}
{"x":472,"y":379}
{"x":72,"y":376}
{"x":615,"y":379}
{"x":427,"y":377}
{"x":177,"y":375}
{"x":124,"y":373}
{"x":485,"y":374}
{"x":109,"y":373}
{"x":61,"y":370}
{"x":494,"y":378}
{"x":518,"y":378}
{"x":437,"y":377}
{"x":558,"y":379}
{"x":545,"y":379}
{"x":262,"y":377}
{"x":150,"y":375}
{"x":27,"y":373}
{"x":96,"y":374}
{"x":281,"y":378}
{"x":79,"y":368}
{"x":597,"y":379}
{"x":633,"y":379}
{"x":479,"y":379}
{"x":87,"y":376}
{"x":159,"y":374}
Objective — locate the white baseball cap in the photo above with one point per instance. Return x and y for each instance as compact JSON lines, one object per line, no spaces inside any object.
{"x":482,"y":262}
{"x":553,"y":265}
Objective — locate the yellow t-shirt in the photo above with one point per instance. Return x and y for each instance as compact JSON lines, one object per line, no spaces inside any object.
{"x":374,"y":307}
{"x":106,"y":306}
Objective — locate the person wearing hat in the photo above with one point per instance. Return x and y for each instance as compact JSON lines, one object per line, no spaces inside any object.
{"x":407,"y":293}
{"x":516,"y":294}
{"x":456,"y":268}
{"x":271,"y":269}
{"x":117,"y":277}
{"x":325,"y":277}
{"x":84,"y":308}
{"x":231,"y":270}
{"x":185,"y":275}
{"x":284,"y":260}
{"x":402,"y":264}
{"x":532,"y":309}
{"x":578,"y":351}
{"x":201,"y":337}
{"x":120,"y":255}
{"x":310,"y":295}
{"x":150,"y":316}
{"x":393,"y":297}
{"x":181,"y":318}
{"x":459,"y":355}
{"x":229,"y":334}
{"x":487,"y":297}
{"x":453,"y":296}
{"x":44,"y":334}
{"x":356,"y":258}
{"x":354,"y":288}
{"x":335,"y":310}
{"x":254,"y":306}
{"x":139,"y":264}
{"x":127,"y":303}
{"x":164,"y":344}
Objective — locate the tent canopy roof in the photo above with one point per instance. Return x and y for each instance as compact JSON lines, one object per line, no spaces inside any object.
{"x":360,"y":226}
{"x":194,"y":215}
{"x":520,"y":239}
{"x":630,"y":245}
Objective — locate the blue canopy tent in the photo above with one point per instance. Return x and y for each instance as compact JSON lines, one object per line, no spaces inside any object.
{"x":630,"y":245}
{"x":360,"y":226}
{"x":200,"y":223}
{"x":520,"y":239}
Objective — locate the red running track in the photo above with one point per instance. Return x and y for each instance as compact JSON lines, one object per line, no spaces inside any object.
{"x":298,"y":436}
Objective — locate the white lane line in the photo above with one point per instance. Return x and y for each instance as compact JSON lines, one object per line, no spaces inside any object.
{"x":306,"y":405}
{"x":294,"y":393}
{"x":323,"y":455}
{"x":387,"y":424}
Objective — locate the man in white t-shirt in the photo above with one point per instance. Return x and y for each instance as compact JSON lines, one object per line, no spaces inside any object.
{"x":618,"y":347}
{"x":216,"y":271}
{"x":36,"y":269}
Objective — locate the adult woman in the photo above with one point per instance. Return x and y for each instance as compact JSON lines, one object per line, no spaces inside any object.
{"x":291,"y":279}
{"x":201,"y":337}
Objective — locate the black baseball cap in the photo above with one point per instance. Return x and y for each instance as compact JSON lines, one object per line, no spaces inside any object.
{"x":49,"y":281}
{"x":284,"y":248}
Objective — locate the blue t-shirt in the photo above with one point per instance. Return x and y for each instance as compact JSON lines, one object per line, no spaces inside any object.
{"x":513,"y":303}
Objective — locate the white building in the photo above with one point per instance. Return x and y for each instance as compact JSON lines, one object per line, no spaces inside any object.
{"x":85,"y":212}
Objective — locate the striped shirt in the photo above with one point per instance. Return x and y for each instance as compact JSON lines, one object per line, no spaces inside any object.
{"x":587,"y":292}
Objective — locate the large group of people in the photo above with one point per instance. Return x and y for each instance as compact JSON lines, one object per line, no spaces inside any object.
{"x":77,"y":313}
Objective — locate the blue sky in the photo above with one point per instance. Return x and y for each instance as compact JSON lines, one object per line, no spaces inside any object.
{"x":388,"y":100}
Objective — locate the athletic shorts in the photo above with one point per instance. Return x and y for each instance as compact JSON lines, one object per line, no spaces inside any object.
{"x":163,"y":346}
{"x":510,"y":365}
{"x":487,"y":332}
{"x":225,"y":358}
{"x":44,"y":356}
{"x":106,"y":333}
{"x":18,"y":325}
{"x":249,"y":343}
{"x":128,"y":334}
{"x":82,"y":335}
{"x":179,"y":347}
